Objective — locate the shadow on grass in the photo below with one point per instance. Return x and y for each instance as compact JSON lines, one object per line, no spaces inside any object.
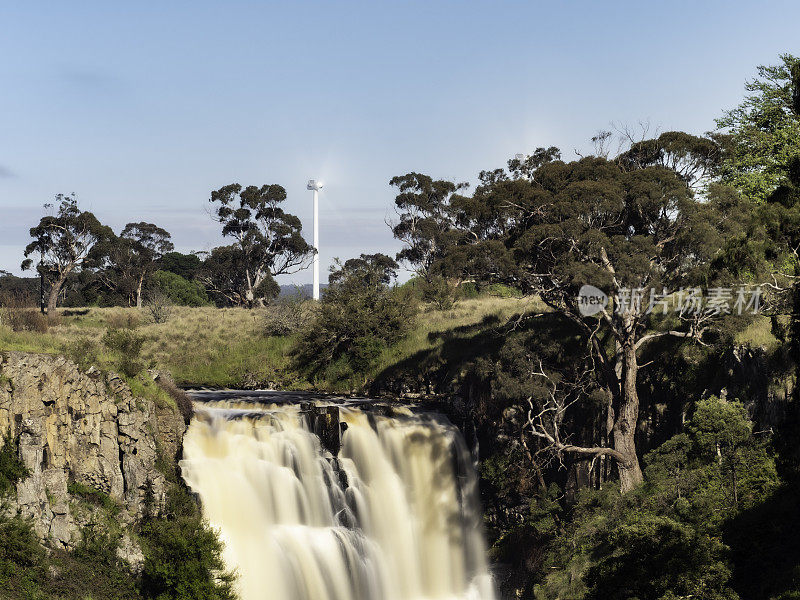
{"x":438,"y":369}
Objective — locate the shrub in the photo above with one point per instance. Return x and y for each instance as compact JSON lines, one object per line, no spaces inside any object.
{"x":289,"y":315}
{"x":503,"y":291}
{"x":178,"y":290}
{"x":17,"y":311}
{"x":22,"y":558}
{"x":82,"y":351}
{"x":126,"y":319}
{"x":11,"y":467}
{"x":468,"y":290}
{"x":93,"y":496}
{"x":440,"y":292}
{"x":182,"y":400}
{"x":128,"y":346}
{"x":159,"y":306}
{"x":183,"y":557}
{"x":359,"y":316}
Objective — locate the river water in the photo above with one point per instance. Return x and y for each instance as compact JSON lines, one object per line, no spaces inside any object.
{"x":321,"y":499}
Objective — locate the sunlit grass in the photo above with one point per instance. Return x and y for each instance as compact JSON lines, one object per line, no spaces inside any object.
{"x":758,"y":333}
{"x":214,"y":347}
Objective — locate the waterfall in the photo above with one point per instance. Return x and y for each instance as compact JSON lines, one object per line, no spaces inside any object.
{"x":392,"y":515}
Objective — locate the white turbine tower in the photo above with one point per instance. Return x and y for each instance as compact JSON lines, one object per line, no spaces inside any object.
{"x":316,"y":186}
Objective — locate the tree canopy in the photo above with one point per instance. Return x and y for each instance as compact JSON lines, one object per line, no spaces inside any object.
{"x":629,"y":225}
{"x":64,"y":241}
{"x":762,"y":133}
{"x":268,"y":240}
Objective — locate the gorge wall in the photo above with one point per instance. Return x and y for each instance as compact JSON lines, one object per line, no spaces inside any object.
{"x":80,"y":431}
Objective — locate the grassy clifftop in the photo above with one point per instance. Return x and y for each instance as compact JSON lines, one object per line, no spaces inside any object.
{"x":230,"y":347}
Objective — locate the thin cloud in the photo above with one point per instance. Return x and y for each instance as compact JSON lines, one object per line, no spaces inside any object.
{"x":86,"y":77}
{"x":6,"y":173}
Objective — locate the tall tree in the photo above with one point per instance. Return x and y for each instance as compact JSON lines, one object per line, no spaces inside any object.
{"x":64,"y":241}
{"x":627,"y":230}
{"x":762,"y":134}
{"x":426,"y":220}
{"x":185,"y":265}
{"x":782,"y":215}
{"x":269,"y":239}
{"x":141,"y":246}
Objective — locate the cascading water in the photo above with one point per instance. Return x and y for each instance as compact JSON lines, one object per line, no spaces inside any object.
{"x":392,"y":516}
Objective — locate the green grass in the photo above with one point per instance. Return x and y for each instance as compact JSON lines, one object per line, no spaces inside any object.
{"x":214,"y":347}
{"x":758,"y":333}
{"x":143,"y":386}
{"x":94,"y":496}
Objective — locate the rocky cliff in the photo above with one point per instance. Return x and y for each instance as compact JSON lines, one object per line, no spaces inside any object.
{"x":80,"y":431}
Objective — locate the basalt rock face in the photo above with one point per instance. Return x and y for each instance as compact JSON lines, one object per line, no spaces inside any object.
{"x":86,"y":428}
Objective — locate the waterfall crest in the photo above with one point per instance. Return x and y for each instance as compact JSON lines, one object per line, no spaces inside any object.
{"x":392,"y":516}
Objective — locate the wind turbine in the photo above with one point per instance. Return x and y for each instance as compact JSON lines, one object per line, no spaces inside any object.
{"x":315,"y":186}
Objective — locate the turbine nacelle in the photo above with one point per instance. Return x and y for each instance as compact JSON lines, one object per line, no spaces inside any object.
{"x":315,"y":185}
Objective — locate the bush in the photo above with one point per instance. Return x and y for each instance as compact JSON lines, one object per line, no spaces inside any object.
{"x":183,"y":557}
{"x":93,"y":496}
{"x":359,"y":316}
{"x":440,"y":292}
{"x":128,"y":347}
{"x":182,"y":400}
{"x":126,"y":319}
{"x":11,"y":468}
{"x":17,"y":311}
{"x":289,"y":315}
{"x":468,"y":290}
{"x":159,"y":306}
{"x":178,"y":290}
{"x":503,"y":291}
{"x":22,"y":558}
{"x":82,"y":351}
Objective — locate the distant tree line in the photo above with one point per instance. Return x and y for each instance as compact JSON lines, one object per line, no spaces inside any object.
{"x":83,"y":262}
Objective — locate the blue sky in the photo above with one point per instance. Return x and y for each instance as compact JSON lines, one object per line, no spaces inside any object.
{"x":143,"y":108}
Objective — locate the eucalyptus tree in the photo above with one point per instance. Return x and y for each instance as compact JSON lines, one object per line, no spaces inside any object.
{"x":224,"y":275}
{"x":633,"y":229}
{"x":141,"y":246}
{"x":64,"y":241}
{"x":426,"y":222}
{"x":269,"y":240}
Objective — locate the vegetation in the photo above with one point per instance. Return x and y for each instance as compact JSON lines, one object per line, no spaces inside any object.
{"x":762,"y":134}
{"x":64,"y":242}
{"x":268,"y":243}
{"x":182,"y":555}
{"x":667,"y":540}
{"x":359,"y":317}
{"x":11,"y":468}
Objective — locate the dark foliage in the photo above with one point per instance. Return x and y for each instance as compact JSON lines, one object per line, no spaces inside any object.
{"x":11,"y":467}
{"x":182,"y":555}
{"x":359,"y":316}
{"x":268,"y":240}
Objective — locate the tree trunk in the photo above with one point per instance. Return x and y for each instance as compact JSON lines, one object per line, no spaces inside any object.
{"x":52,"y":299}
{"x":250,"y":294}
{"x":630,"y":473}
{"x":139,"y":292}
